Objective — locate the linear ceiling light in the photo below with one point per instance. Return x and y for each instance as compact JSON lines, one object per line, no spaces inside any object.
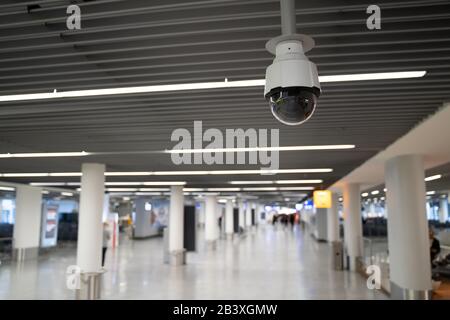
{"x":7,"y":189}
{"x":254,"y":149}
{"x":295,"y":188}
{"x":201,"y":86}
{"x":435,"y":177}
{"x":278,"y":182}
{"x":44,"y":154}
{"x":373,"y":76}
{"x":430,"y":193}
{"x":67,"y":194}
{"x":170,"y":173}
{"x":223,"y":189}
{"x":261,"y":189}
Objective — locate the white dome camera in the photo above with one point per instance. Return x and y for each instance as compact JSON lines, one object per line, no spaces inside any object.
{"x":292,"y":82}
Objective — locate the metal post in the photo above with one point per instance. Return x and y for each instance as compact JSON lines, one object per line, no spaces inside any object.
{"x":288,"y":19}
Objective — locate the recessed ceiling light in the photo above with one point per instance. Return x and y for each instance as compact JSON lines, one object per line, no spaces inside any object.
{"x":201,"y":86}
{"x":365,"y":194}
{"x":67,"y":194}
{"x":374,"y":192}
{"x":429,"y":193}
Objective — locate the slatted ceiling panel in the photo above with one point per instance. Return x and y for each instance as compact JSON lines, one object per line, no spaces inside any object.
{"x":127,"y":43}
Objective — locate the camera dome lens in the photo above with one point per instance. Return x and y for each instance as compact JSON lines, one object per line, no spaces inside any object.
{"x":292,"y":106}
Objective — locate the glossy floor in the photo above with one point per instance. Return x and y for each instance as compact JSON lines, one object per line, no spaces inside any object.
{"x":268,"y":263}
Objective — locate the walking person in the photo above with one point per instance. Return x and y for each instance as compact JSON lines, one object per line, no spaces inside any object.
{"x":106,"y":238}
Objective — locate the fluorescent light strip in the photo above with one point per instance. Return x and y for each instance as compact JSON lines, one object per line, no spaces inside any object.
{"x":375,"y":192}
{"x":162,"y":173}
{"x":261,"y":189}
{"x":365,"y":194}
{"x":255,"y":149}
{"x":193,"y":189}
{"x":295,"y":188}
{"x":430,"y":193}
{"x":298,"y":181}
{"x":251,"y":182}
{"x":201,"y":86}
{"x":277,"y":182}
{"x":44,"y":154}
{"x":435,"y":177}
{"x":223,"y":189}
{"x":373,"y":76}
{"x":67,"y":194}
{"x":7,"y":189}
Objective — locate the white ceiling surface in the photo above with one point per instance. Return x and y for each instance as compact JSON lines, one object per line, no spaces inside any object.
{"x":430,"y":138}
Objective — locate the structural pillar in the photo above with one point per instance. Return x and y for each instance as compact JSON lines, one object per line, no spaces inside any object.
{"x":210,"y":221}
{"x":27,"y":227}
{"x":90,"y":230}
{"x":241,"y":214}
{"x":352,"y":224}
{"x":177,"y":253}
{"x":409,"y":247}
{"x":333,"y":219}
{"x":229,"y":219}
{"x":248,"y":214}
{"x":201,"y":213}
{"x":443,"y":210}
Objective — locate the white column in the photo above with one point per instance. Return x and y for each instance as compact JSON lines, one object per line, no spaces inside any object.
{"x":248,"y":214}
{"x":27,"y":227}
{"x":201,"y":213}
{"x":90,"y":229}
{"x":352,"y":223}
{"x":210,"y":220}
{"x":443,"y":210}
{"x":241,"y":214}
{"x":229,"y":219}
{"x":409,"y":247}
{"x":333,"y":219}
{"x":176,"y":226}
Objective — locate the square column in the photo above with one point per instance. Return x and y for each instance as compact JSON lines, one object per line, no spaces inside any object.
{"x":229,"y":219}
{"x":248,"y":214}
{"x":211,"y":221}
{"x":27,"y":227}
{"x":90,"y":230}
{"x":353,"y":224}
{"x":409,"y":246}
{"x":333,"y":219}
{"x":177,"y":253}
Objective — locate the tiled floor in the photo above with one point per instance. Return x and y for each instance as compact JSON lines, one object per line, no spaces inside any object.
{"x":266,"y":264}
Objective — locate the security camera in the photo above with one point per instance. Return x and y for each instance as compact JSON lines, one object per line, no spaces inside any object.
{"x":292,"y":82}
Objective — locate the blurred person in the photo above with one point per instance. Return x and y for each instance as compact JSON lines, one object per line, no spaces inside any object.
{"x":106,"y":238}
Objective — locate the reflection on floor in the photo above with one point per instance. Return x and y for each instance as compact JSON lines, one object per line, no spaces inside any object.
{"x":267,"y":263}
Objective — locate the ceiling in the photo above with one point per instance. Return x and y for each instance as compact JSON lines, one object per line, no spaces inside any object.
{"x":138,"y":42}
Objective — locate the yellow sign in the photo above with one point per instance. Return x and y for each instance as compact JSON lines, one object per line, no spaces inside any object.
{"x":322,"y":199}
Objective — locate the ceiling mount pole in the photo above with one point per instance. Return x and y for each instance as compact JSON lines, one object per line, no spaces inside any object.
{"x":287,"y":8}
